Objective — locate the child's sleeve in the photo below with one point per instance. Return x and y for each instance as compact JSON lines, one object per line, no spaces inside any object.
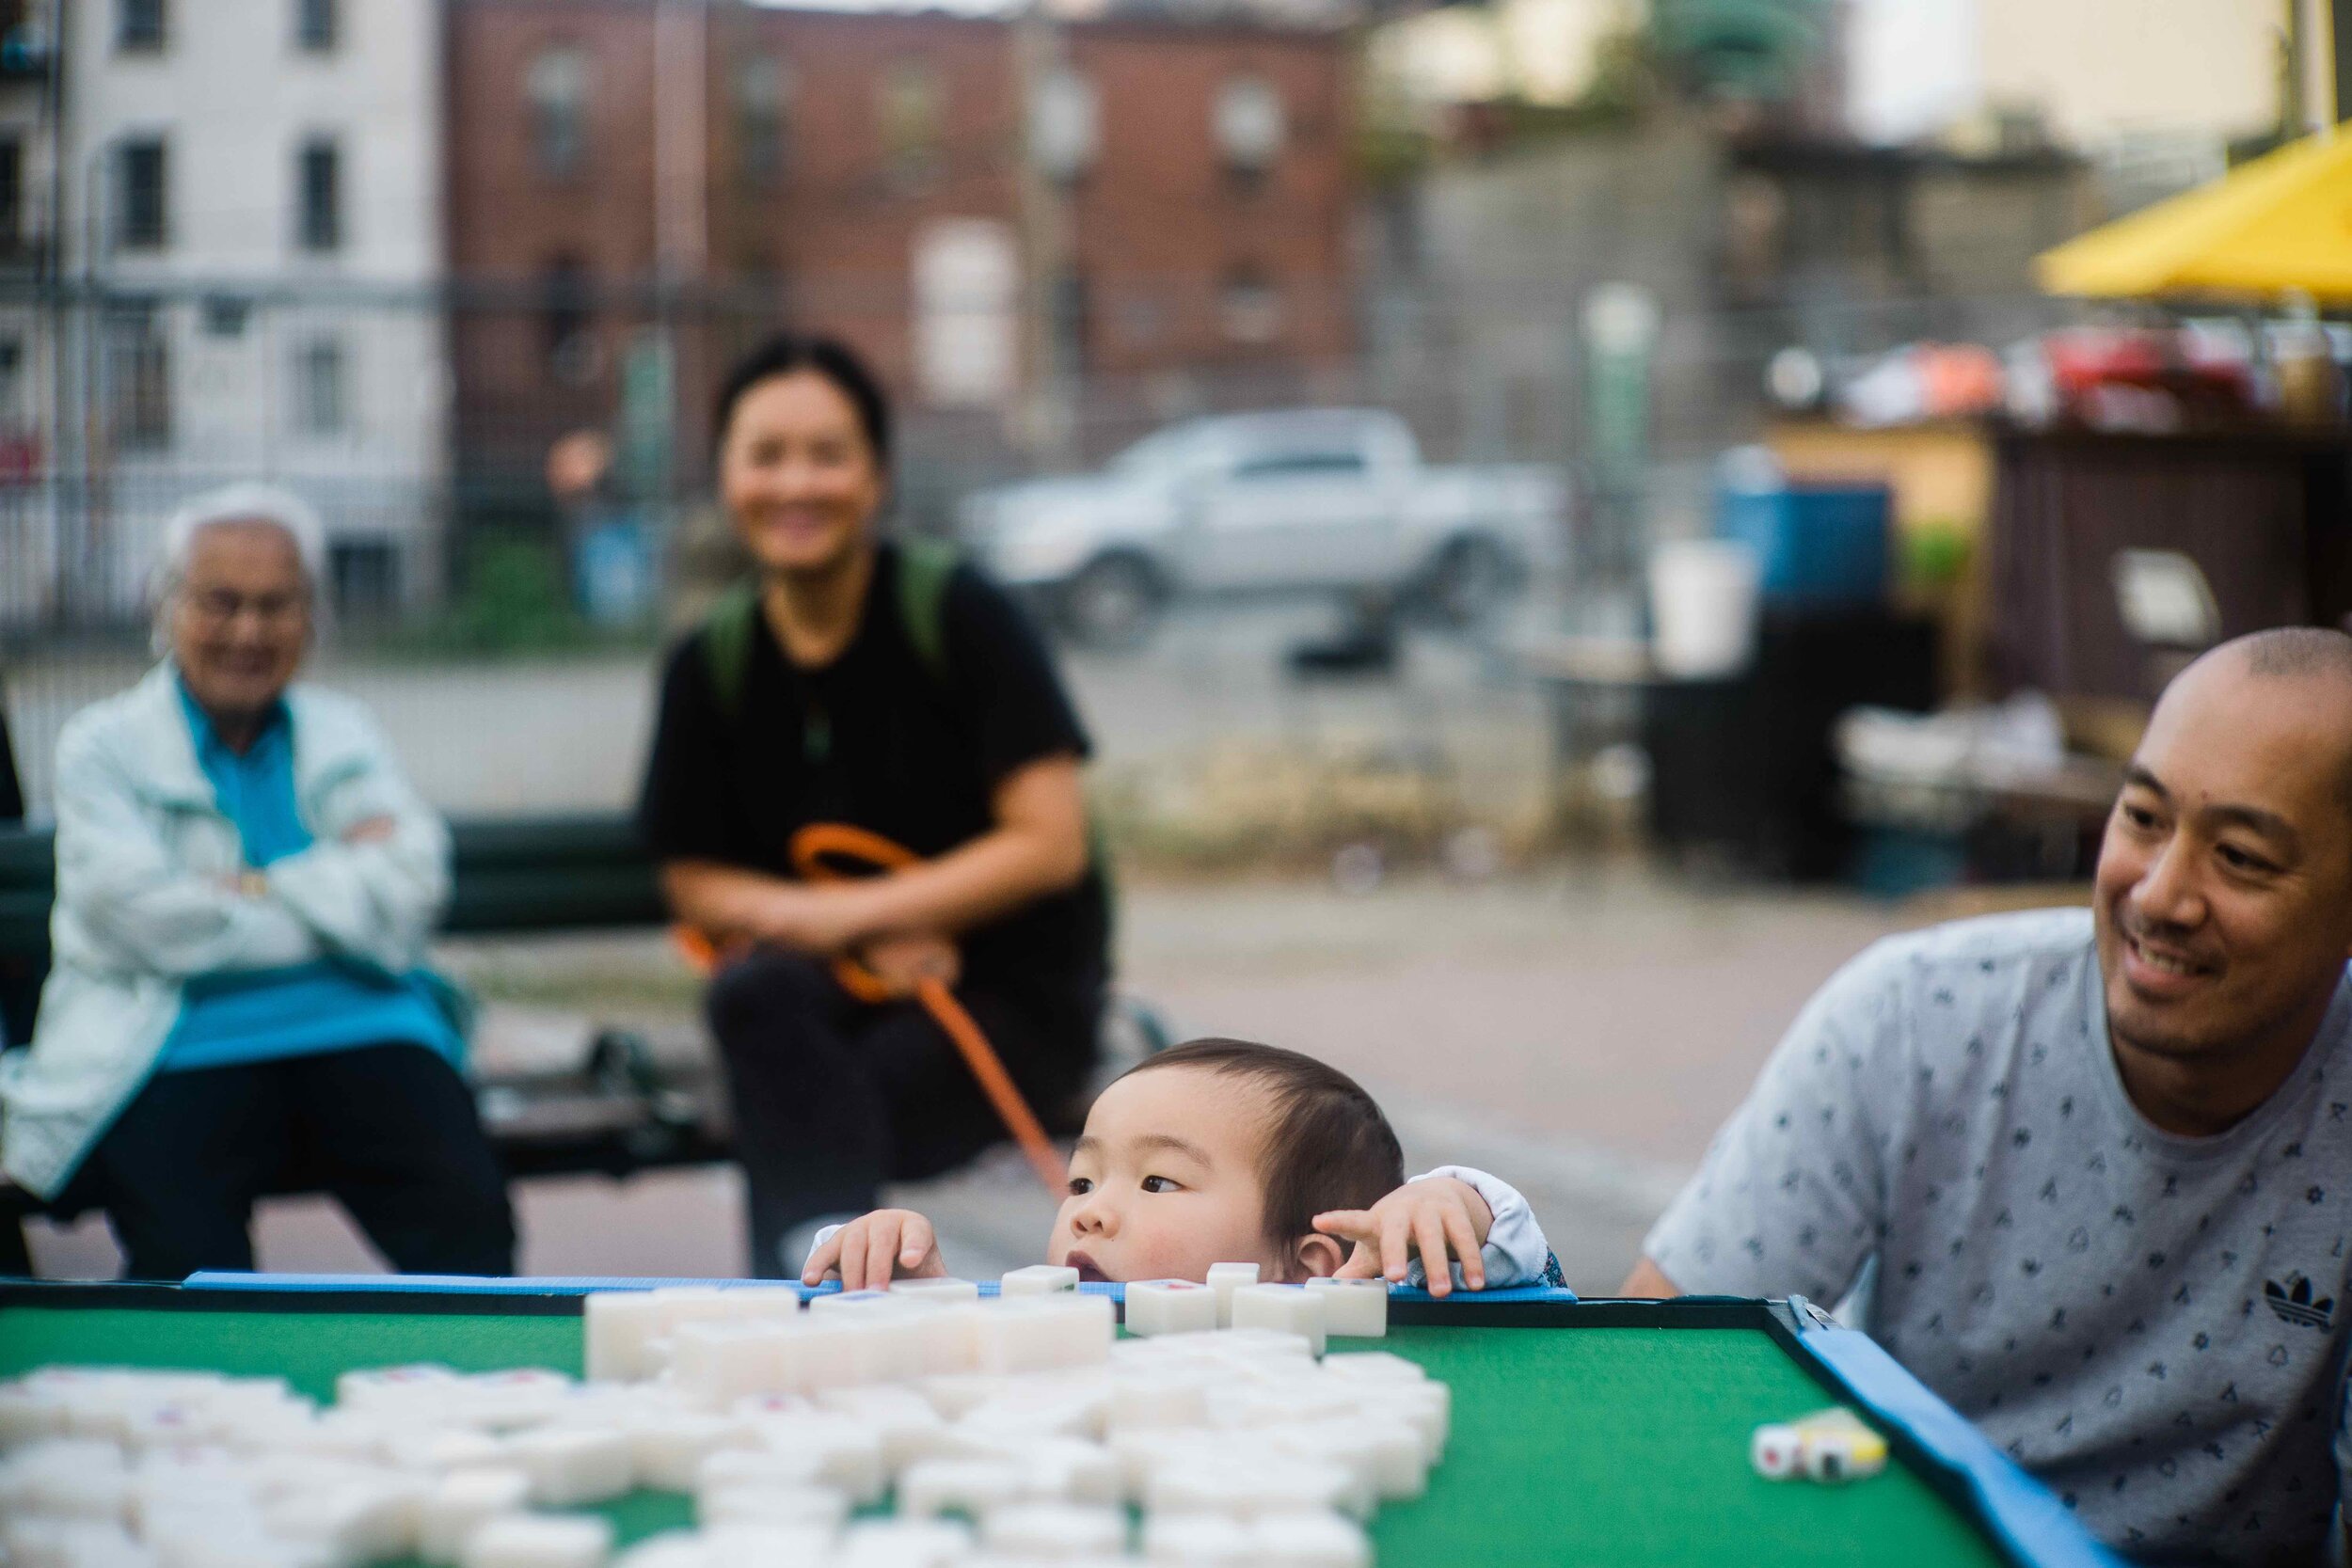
{"x":1515,"y":1252}
{"x":824,"y":1233}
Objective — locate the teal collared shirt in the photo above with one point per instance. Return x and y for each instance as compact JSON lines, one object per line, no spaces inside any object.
{"x":300,"y":1009}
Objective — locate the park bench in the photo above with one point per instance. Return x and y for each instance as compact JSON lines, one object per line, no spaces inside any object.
{"x":619,"y":1112}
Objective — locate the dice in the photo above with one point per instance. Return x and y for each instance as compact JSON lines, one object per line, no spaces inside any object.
{"x":1830,"y":1446}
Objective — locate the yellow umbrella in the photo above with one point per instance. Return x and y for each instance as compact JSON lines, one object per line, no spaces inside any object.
{"x":2281,"y":223}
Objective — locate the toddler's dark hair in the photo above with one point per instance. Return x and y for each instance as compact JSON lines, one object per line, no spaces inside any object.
{"x":1329,"y":1146}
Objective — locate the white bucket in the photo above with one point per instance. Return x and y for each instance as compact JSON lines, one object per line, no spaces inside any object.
{"x":1703,"y":598}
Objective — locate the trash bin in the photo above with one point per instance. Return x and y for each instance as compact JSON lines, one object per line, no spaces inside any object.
{"x":1821,"y":547}
{"x":1703,"y":599}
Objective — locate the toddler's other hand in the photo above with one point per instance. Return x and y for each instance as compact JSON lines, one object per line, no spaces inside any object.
{"x":1440,"y":1219}
{"x":873,"y":1249}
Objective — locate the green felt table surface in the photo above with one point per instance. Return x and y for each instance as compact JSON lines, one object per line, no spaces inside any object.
{"x":1591,"y":1444}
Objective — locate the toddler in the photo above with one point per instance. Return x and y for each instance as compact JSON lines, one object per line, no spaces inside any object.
{"x":1226,"y":1151}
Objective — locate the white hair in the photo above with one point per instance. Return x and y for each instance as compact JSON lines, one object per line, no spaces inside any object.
{"x":241,"y":504}
{"x":245,"y":503}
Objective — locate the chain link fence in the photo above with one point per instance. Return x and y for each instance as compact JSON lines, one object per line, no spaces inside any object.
{"x":424,"y":428}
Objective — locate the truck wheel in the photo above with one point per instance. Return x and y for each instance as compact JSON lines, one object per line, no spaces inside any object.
{"x":1469,"y":581}
{"x":1114,"y":602}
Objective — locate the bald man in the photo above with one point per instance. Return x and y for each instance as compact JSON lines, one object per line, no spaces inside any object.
{"x":2104,"y":1157}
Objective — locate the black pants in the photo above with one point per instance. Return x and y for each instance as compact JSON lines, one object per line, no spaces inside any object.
{"x":389,"y":1129}
{"x":832,"y":1097}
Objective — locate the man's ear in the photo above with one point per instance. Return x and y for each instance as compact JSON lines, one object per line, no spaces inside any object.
{"x":1320,"y":1256}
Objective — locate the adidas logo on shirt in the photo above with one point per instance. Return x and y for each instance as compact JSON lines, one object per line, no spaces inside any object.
{"x":2293,"y":1302}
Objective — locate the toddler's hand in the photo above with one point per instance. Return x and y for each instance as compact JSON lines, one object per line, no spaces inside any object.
{"x":1440,"y":1219}
{"x":873,"y":1249}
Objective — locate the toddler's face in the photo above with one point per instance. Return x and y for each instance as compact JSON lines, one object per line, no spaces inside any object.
{"x":1166,"y":1180}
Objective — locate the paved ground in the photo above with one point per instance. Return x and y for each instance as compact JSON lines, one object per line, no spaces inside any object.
{"x":1580,"y":1032}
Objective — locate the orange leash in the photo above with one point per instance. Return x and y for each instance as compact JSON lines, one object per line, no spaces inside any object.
{"x":824,"y":853}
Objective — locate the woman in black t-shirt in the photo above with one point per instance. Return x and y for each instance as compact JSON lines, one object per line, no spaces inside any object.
{"x":893,"y":690}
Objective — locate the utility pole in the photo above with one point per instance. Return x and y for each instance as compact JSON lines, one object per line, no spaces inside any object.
{"x":89,"y":595}
{"x":681,"y":195}
{"x":2317,"y":70}
{"x":2337,"y":16}
{"x":53,"y":285}
{"x":1048,"y":419}
{"x":681,"y":200}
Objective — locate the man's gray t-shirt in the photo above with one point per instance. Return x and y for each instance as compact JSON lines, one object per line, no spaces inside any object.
{"x":2152,"y":1324}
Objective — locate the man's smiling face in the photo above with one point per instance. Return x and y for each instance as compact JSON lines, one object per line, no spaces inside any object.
{"x":2224,"y":889}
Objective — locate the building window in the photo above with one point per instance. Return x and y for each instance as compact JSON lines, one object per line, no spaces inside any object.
{"x":566,"y":324}
{"x":1073,"y":306}
{"x":322,"y":405}
{"x":558,"y":91}
{"x":1065,"y":124}
{"x":138,"y":24}
{"x":760,"y":96}
{"x":1141,"y":319}
{"x":314,"y":26}
{"x":967,"y":315}
{"x":138,"y":378}
{"x":13,"y":408}
{"x":913,"y":111}
{"x":142,"y":193}
{"x":11,"y":195}
{"x":363,"y":578}
{"x":1249,"y":126}
{"x":226,"y":315}
{"x":1249,"y":309}
{"x":319,"y":181}
{"x":755,"y":260}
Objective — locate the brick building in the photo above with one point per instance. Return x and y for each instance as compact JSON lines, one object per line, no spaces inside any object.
{"x":1177,"y":201}
{"x":1197,"y":243}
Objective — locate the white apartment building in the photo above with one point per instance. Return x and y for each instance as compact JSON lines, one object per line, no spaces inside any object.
{"x":28,"y":86}
{"x":252,"y":208}
{"x":2149,"y":78}
{"x":2093,"y":74}
{"x":1543,"y":52}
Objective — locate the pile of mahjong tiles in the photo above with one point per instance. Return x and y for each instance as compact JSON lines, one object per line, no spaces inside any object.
{"x":914,"y":1428}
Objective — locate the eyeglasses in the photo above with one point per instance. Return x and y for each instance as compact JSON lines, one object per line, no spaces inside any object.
{"x":221,"y":606}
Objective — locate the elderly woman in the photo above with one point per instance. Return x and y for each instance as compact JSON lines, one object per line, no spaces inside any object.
{"x":245,"y":883}
{"x":867,"y":682}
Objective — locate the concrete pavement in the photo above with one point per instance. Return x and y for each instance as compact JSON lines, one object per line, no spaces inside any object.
{"x":1581,"y":1028}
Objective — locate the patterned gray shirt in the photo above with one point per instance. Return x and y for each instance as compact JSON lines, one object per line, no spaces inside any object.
{"x":2153,"y":1325}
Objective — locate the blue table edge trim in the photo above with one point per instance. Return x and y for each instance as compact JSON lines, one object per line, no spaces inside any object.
{"x":2020,"y":1510}
{"x":580,"y":1285}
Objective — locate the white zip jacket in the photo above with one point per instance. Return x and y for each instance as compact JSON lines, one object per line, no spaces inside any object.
{"x":145,"y":858}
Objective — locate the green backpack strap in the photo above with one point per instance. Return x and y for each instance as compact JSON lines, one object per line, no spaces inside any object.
{"x":727,"y":640}
{"x":924,"y":567}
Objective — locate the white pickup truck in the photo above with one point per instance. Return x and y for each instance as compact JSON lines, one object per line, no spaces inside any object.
{"x":1327,"y":500}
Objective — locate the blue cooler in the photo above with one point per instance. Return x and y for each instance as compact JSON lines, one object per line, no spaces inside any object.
{"x":1823,"y":546}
